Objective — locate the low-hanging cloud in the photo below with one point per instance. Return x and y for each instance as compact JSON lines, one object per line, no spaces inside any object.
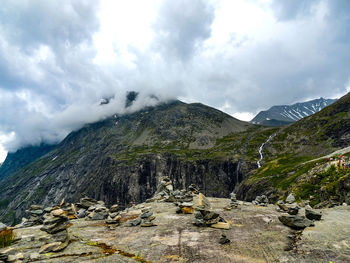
{"x":241,"y":56}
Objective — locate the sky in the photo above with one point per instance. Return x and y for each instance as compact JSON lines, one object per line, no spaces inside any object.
{"x":58,"y":59}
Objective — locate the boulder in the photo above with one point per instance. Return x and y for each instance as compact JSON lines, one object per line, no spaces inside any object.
{"x":290,"y":199}
{"x":295,"y":221}
{"x":312,"y":214}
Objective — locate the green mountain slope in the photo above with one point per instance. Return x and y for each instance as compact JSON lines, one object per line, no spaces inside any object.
{"x":285,"y":167}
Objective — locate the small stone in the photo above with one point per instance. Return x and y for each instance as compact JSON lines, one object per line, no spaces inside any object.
{"x":49,"y":247}
{"x":198,"y":214}
{"x":312,"y":215}
{"x":19,"y":256}
{"x":178,"y":210}
{"x":57,"y":212}
{"x":187,"y":210}
{"x":169,"y":187}
{"x":114,"y":208}
{"x":199,"y":222}
{"x":221,"y":225}
{"x":282,"y":206}
{"x":134,"y":222}
{"x":293,"y":210}
{"x":146,"y":209}
{"x":81,"y":213}
{"x":290,"y":199}
{"x":224,"y":240}
{"x":148,"y":224}
{"x":146,"y":214}
{"x":36,"y":207}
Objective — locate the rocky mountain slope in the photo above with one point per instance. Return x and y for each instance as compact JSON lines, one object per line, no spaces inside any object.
{"x":120,"y":159}
{"x":22,"y":157}
{"x":288,"y":165}
{"x":287,"y":114}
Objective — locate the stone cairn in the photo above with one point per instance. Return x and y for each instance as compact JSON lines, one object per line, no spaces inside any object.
{"x":35,"y":216}
{"x":293,"y":218}
{"x":205,"y":217}
{"x":166,"y":192}
{"x":55,"y":224}
{"x":233,"y":203}
{"x":144,"y":220}
{"x":261,"y":200}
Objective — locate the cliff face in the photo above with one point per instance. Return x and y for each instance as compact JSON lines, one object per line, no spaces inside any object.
{"x":120,"y":160}
{"x":21,"y":158}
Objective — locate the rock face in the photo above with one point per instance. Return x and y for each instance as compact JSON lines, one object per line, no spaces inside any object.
{"x":121,"y":160}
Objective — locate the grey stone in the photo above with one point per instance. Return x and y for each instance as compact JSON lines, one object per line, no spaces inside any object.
{"x":312,"y":214}
{"x":224,"y":240}
{"x":146,"y":214}
{"x":81,"y":213}
{"x":61,"y":236}
{"x":134,"y":222}
{"x":293,"y":210}
{"x":198,"y":214}
{"x":290,"y":199}
{"x":297,"y":222}
{"x":199,"y":222}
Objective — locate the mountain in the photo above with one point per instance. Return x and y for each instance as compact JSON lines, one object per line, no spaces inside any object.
{"x":121,"y":159}
{"x":287,"y":114}
{"x":22,"y":157}
{"x":294,"y":161}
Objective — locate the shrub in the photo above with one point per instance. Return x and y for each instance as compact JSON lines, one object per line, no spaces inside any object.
{"x":6,"y":237}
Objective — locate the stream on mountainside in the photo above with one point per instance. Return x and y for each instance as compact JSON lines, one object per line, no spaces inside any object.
{"x":262,"y":147}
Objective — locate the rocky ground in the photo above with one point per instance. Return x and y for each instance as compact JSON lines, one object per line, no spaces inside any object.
{"x":255,"y":234}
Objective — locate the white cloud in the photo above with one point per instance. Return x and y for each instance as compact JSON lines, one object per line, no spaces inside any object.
{"x":59,"y":58}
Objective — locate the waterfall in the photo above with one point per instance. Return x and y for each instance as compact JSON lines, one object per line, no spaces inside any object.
{"x":262,"y":147}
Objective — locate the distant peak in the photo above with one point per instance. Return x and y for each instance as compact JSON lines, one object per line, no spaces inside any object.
{"x":131,"y":96}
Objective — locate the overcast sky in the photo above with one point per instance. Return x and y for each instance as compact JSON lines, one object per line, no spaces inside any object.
{"x":59,"y":58}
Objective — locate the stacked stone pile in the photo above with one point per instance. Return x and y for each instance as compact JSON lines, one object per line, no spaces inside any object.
{"x":261,"y":200}
{"x":55,"y":224}
{"x":35,"y":216}
{"x":193,"y":188}
{"x":69,"y":209}
{"x":294,"y":219}
{"x":84,"y":204}
{"x":144,"y":220}
{"x":233,"y":203}
{"x":205,"y":217}
{"x":166,"y":192}
{"x":113,"y":218}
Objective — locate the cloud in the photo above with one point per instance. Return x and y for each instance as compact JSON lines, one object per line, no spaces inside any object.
{"x":59,"y":58}
{"x":182,"y":27}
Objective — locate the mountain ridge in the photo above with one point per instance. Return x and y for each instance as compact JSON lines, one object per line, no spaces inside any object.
{"x":280,"y":115}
